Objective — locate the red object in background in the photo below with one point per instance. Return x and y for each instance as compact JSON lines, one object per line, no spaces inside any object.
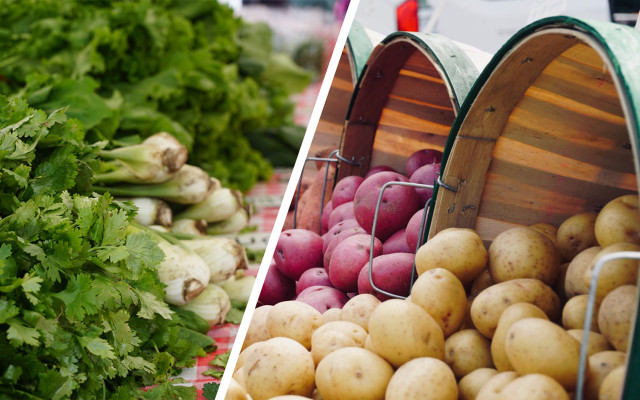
{"x":407,"y":16}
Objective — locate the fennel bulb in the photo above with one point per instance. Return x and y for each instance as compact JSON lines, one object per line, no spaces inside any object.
{"x":223,"y":255}
{"x":212,"y":304}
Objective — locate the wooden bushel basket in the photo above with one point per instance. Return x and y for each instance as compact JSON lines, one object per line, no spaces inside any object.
{"x":549,"y":130}
{"x":406,"y":99}
{"x":355,"y":53}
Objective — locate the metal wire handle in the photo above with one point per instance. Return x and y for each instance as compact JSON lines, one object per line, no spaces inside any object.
{"x":373,"y":233}
{"x":589,"y":312}
{"x":329,"y":160}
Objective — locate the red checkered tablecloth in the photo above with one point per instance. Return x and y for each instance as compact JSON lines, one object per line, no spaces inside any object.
{"x":266,"y":198}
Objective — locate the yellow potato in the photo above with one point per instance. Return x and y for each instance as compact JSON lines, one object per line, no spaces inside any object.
{"x":538,"y":346}
{"x":466,"y":351}
{"x":458,"y":250}
{"x":614,"y":273}
{"x":422,"y":378}
{"x":368,"y":344}
{"x":471,"y":384}
{"x":491,"y":390}
{"x":359,"y":308}
{"x":482,"y":282}
{"x":335,"y":335}
{"x":279,"y":366}
{"x":510,"y":315}
{"x":244,"y":354}
{"x":574,"y":311}
{"x":401,"y":331}
{"x":293,"y":319}
{"x":599,"y":365}
{"x":467,"y":322}
{"x":596,"y":342}
{"x":612,"y":384}
{"x":332,"y":314}
{"x":574,"y":280}
{"x":440,"y":293}
{"x":522,"y":252}
{"x":491,"y":302}
{"x":616,"y":314}
{"x":549,"y":230}
{"x":352,"y":373}
{"x":576,"y":234}
{"x":235,"y":391}
{"x":238,"y":376}
{"x":289,"y":397}
{"x":257,"y":331}
{"x":533,"y":387}
{"x":619,"y":221}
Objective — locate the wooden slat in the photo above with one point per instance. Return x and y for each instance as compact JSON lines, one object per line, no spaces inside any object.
{"x":584,"y":54}
{"x":417,"y":117}
{"x":416,"y":64}
{"x":423,"y":90}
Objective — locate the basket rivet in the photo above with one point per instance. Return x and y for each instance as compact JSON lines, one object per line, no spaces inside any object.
{"x":490,"y":109}
{"x":379,"y":75}
{"x":450,"y":210}
{"x":526,"y":60}
{"x":626,"y":146}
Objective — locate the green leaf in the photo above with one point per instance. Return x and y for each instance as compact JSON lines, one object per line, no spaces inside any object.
{"x":97,"y":346}
{"x":31,"y":285}
{"x":150,"y":305}
{"x":221,"y":360}
{"x":8,"y":310}
{"x":20,"y":334}
{"x":215,"y":373}
{"x":78,"y":297}
{"x":234,"y":316}
{"x":210,"y":390}
{"x":143,"y":253}
{"x":52,"y":385}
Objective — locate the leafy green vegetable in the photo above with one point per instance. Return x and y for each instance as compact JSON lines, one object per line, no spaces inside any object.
{"x":220,"y":361}
{"x":128,"y":68}
{"x":210,"y":390}
{"x":82,"y":314}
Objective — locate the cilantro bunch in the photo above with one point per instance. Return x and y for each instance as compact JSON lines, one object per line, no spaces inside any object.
{"x":82,"y":314}
{"x":189,"y":68}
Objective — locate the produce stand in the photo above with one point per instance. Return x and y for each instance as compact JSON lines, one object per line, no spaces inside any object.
{"x":549,"y":129}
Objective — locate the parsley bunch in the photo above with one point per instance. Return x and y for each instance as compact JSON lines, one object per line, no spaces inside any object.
{"x":82,"y":314}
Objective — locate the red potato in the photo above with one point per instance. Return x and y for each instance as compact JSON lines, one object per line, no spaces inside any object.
{"x":336,"y":241}
{"x":379,"y":168}
{"x":397,"y":243}
{"x":345,"y":190}
{"x":348,"y":258}
{"x":412,"y":232}
{"x":298,"y":250}
{"x":341,"y":213}
{"x":420,"y":158}
{"x":277,"y":287}
{"x":391,"y":273}
{"x":323,"y":298}
{"x":326,"y":212}
{"x":427,"y":174}
{"x":335,"y":231}
{"x":313,"y":277}
{"x":398,"y":204}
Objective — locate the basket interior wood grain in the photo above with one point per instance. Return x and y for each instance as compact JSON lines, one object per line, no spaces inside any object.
{"x":544,"y":139}
{"x":402,"y":105}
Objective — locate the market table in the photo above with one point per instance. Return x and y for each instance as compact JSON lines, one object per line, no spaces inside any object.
{"x":266,"y":198}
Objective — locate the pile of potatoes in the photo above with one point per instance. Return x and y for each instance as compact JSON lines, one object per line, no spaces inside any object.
{"x":483,"y":321}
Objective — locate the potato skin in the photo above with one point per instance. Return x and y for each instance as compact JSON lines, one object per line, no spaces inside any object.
{"x":440,"y":293}
{"x":359,"y":308}
{"x":612,"y":384}
{"x":293,"y":319}
{"x":573,"y":313}
{"x":491,"y":302}
{"x":401,"y":331}
{"x":599,"y":366}
{"x":471,"y":384}
{"x":576,"y":234}
{"x":352,"y":373}
{"x":423,"y":378}
{"x":510,"y":315}
{"x":574,"y":279}
{"x":523,"y":252}
{"x":466,"y":351}
{"x":538,"y":346}
{"x":492,"y":388}
{"x":279,"y":366}
{"x":257,"y":331}
{"x":596,"y":342}
{"x":619,"y":221}
{"x":533,"y":387}
{"x":616,"y":315}
{"x":458,"y":250}
{"x":615,"y":273}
